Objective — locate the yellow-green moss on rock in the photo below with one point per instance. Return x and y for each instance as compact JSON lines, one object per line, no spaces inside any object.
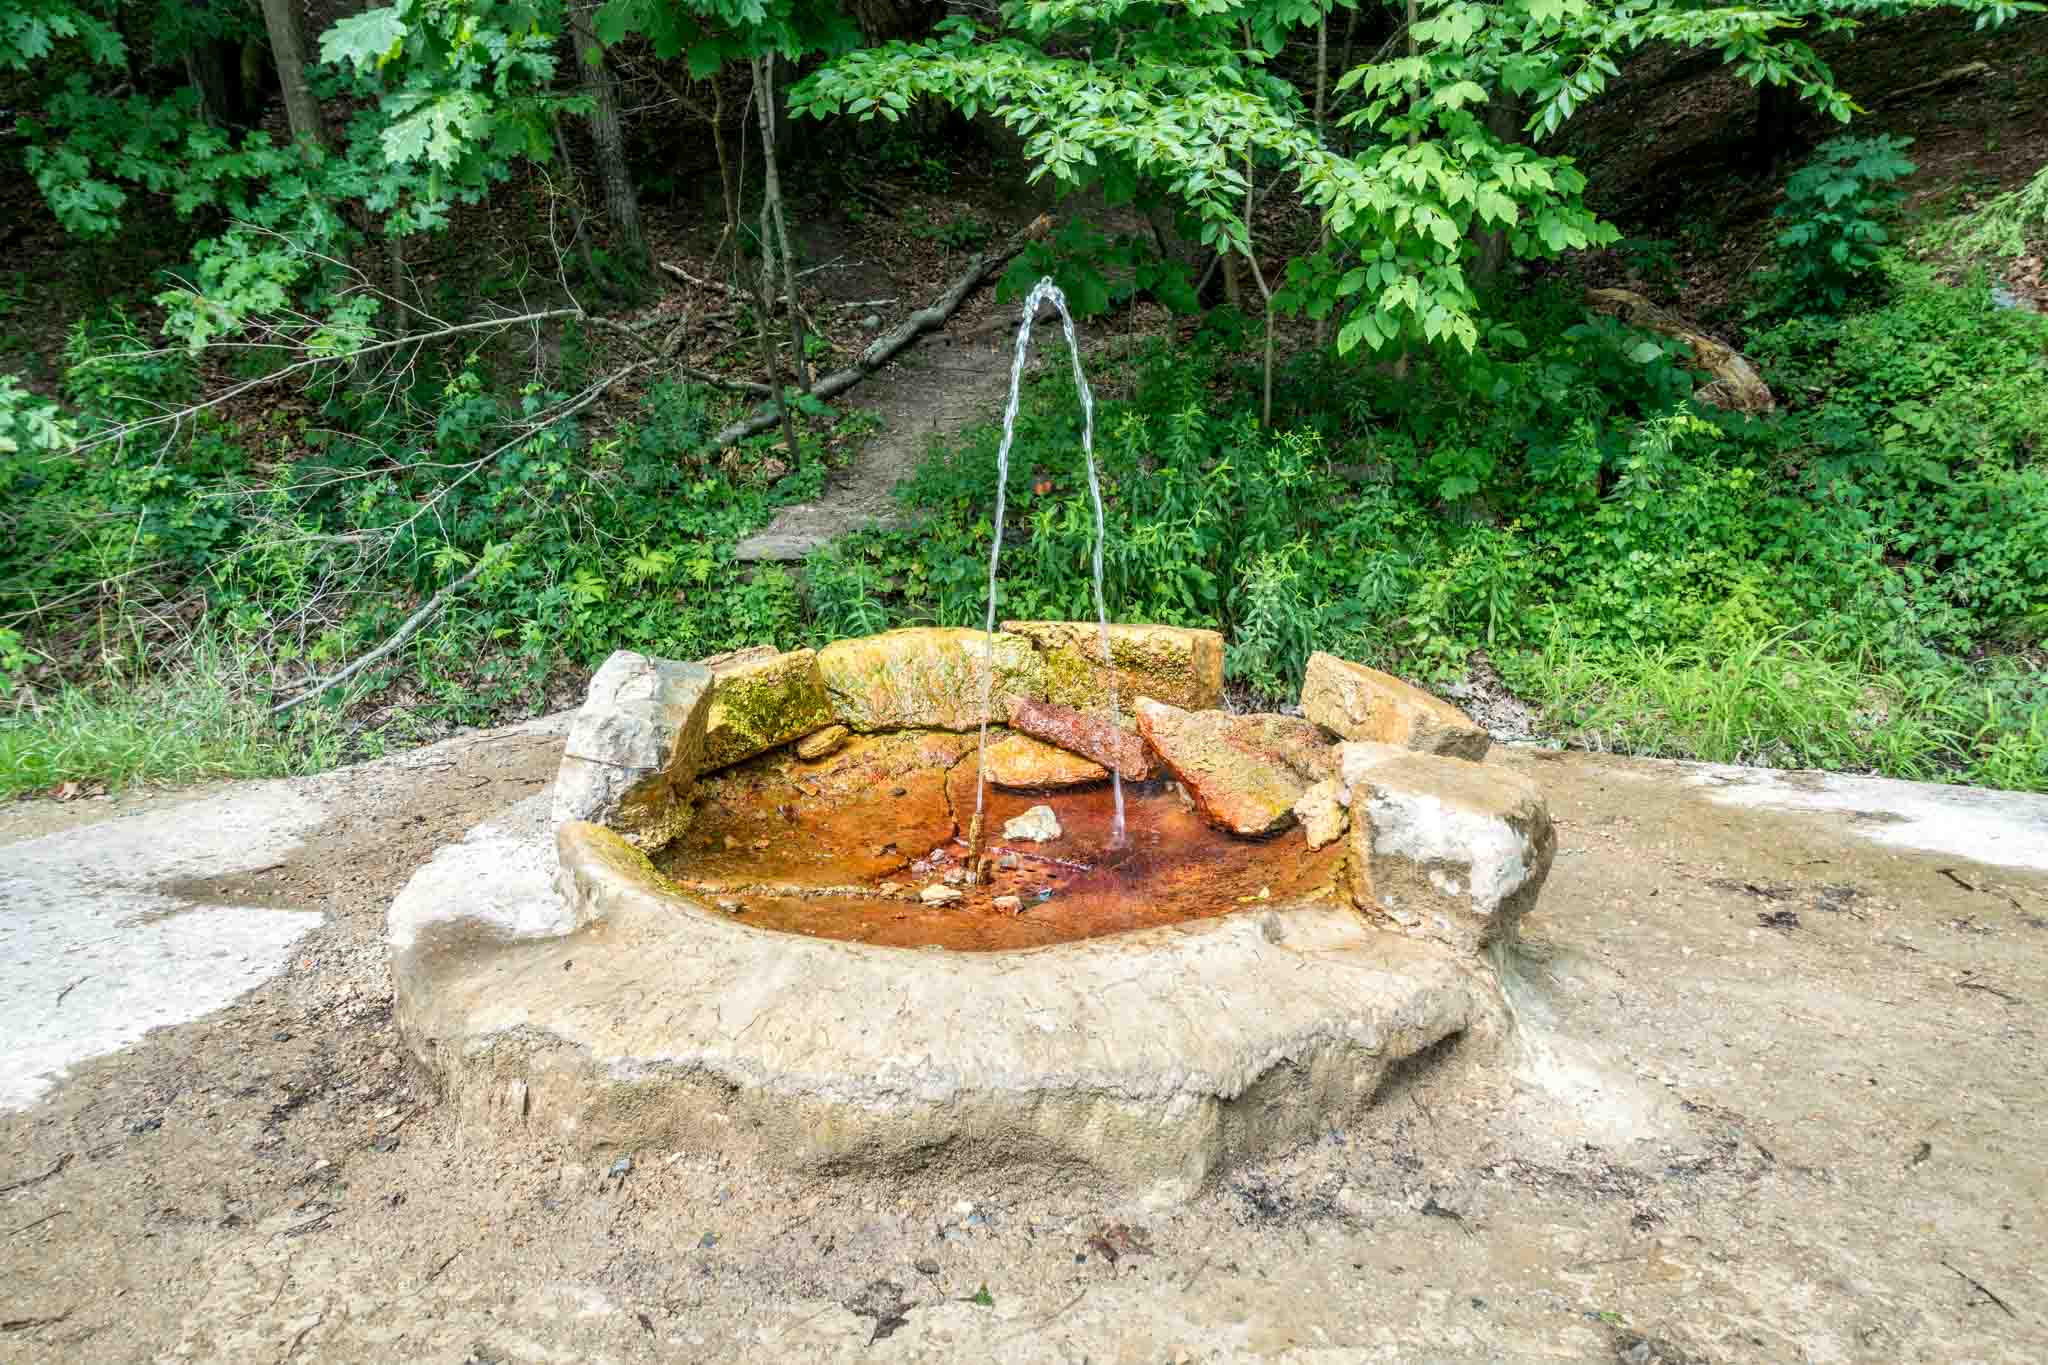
{"x":1173,"y":664}
{"x":761,"y":699}
{"x":927,"y":677}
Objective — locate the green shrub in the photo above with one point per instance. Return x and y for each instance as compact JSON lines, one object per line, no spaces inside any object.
{"x":1833,"y":216}
{"x":1857,"y":582}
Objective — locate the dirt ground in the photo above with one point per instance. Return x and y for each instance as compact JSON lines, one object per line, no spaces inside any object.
{"x":1776,"y":1098}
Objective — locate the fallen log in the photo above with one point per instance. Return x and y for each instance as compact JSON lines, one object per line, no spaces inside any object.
{"x":1736,"y":385}
{"x":884,"y":348}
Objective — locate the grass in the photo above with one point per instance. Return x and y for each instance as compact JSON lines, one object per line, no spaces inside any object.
{"x":1773,"y":702}
{"x":203,"y":717}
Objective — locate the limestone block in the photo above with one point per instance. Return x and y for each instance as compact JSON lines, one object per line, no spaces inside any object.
{"x":633,"y":749}
{"x":761,"y":700}
{"x":1360,"y":703}
{"x":1240,"y":771}
{"x":1450,"y":850}
{"x":1022,"y":763}
{"x":1170,"y":664}
{"x":1093,"y":737}
{"x":1039,"y":825}
{"x":927,"y":677}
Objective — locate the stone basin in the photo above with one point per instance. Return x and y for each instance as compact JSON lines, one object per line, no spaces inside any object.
{"x":810,"y":848}
{"x":750,"y":958}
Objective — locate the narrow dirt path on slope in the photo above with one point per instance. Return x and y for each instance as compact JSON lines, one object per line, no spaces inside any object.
{"x":952,"y":380}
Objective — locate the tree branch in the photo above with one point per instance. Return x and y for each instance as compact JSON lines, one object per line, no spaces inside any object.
{"x":405,"y":631}
{"x":885,"y":347}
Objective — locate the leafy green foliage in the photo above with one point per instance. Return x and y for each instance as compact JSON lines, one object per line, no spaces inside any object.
{"x":29,"y":426}
{"x":1802,"y":591}
{"x":463,"y":91}
{"x":1834,"y":211}
{"x":709,"y":34}
{"x":2009,"y":224}
{"x":32,"y":31}
{"x":1097,"y":272}
{"x":1181,"y":105}
{"x":585,"y":542}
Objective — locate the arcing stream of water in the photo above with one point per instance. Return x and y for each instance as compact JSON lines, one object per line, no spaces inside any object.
{"x":1045,"y":291}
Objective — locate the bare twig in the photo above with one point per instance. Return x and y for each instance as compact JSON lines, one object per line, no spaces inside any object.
{"x":313,"y":1224}
{"x":404,"y":632}
{"x":293,"y":1349}
{"x":30,"y":1324}
{"x":719,"y":381}
{"x":1046,"y":1321}
{"x":1967,"y":984}
{"x":1978,"y":1285}
{"x":234,"y":391}
{"x":33,"y":1180}
{"x":687,"y":278}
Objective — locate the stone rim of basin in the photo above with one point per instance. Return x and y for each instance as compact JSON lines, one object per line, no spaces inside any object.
{"x":1257,"y":775}
{"x":540,"y":1012}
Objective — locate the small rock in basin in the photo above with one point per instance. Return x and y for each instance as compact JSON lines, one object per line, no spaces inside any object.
{"x":1243,"y":773}
{"x":937,"y":894}
{"x":1038,"y":824}
{"x":1322,"y":812}
{"x":823,"y":743}
{"x":1092,"y":737}
{"x":1022,"y":763}
{"x":1013,"y":904}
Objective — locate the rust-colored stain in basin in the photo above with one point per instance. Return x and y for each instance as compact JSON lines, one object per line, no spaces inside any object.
{"x":807,"y":848}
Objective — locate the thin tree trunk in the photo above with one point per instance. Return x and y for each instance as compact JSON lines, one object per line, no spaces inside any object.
{"x":1322,"y":332}
{"x":1251,"y":256}
{"x":765,"y":296}
{"x":1414,"y":136}
{"x":728,"y":190}
{"x":1415,"y":92}
{"x":288,"y":50}
{"x":215,"y":70}
{"x":575,"y":206}
{"x":1777,"y":119}
{"x":621,"y":203}
{"x":771,"y":214}
{"x":1504,"y":121}
{"x":1266,"y":396}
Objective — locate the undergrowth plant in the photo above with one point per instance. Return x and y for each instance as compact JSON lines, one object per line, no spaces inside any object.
{"x":1834,"y":214}
{"x":1858,"y":582}
{"x":201,"y":714}
{"x":2009,"y":224}
{"x":1829,"y":588}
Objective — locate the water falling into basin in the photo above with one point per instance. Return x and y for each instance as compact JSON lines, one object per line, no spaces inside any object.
{"x":1045,"y":291}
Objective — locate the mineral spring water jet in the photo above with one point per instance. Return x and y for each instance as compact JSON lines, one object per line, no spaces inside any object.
{"x":1045,"y":291}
